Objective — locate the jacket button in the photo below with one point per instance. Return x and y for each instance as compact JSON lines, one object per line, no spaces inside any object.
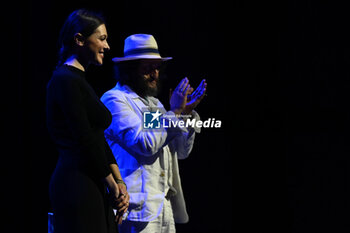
{"x":162,"y":174}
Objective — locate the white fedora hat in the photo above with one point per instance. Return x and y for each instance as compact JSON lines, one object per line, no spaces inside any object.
{"x":140,"y":46}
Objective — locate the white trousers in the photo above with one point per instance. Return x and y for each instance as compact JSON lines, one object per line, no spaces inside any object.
{"x":164,"y":223}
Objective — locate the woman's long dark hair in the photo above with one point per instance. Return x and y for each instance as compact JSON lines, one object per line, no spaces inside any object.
{"x":80,"y":21}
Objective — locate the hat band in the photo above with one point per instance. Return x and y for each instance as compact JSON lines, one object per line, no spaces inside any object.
{"x":140,"y":51}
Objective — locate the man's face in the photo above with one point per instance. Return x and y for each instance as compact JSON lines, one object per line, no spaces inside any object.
{"x":148,"y":76}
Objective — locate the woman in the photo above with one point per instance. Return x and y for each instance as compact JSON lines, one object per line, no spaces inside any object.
{"x":76,"y":120}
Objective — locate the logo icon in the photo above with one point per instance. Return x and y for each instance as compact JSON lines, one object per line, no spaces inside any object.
{"x":151,"y":120}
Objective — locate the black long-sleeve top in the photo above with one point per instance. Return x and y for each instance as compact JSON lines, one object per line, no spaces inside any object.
{"x":76,"y":121}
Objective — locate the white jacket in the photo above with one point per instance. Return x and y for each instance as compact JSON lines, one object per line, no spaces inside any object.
{"x":140,"y":154}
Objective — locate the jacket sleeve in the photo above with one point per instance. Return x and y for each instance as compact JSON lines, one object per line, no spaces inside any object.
{"x":183,"y":143}
{"x":69,"y":97}
{"x":127,"y":128}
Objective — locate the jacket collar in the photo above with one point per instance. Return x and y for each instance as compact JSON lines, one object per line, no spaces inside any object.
{"x":128,"y":91}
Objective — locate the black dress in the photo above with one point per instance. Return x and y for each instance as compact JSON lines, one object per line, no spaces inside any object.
{"x":76,"y":121}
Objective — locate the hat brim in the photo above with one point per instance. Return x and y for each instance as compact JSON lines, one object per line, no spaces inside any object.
{"x":150,"y":57}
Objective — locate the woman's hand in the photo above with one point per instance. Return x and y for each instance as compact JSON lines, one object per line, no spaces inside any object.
{"x":120,"y":200}
{"x":112,"y":186}
{"x":116,"y":197}
{"x":122,"y":203}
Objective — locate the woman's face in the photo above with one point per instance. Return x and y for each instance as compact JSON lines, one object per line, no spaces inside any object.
{"x":97,"y":45}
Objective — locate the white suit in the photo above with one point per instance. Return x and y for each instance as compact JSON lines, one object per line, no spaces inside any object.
{"x":147,"y":158}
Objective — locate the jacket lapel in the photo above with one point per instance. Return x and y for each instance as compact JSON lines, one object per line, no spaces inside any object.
{"x":134,"y":98}
{"x":141,"y":103}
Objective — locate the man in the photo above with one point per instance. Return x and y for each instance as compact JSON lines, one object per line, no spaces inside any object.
{"x":146,"y":153}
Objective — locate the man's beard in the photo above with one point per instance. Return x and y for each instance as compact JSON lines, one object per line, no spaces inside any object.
{"x":142,"y":88}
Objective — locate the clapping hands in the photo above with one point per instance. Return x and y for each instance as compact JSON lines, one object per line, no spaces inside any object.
{"x":184,"y":98}
{"x":195,"y":97}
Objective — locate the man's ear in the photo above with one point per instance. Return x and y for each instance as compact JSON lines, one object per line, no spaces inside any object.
{"x":79,"y":39}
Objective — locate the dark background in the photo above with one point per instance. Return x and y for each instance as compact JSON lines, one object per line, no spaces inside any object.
{"x":314,"y":65}
{"x":278,"y":78}
{"x":189,"y":31}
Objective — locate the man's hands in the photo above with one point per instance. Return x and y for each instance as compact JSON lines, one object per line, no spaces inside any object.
{"x":183,"y":99}
{"x":194,"y":98}
{"x":178,"y":97}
